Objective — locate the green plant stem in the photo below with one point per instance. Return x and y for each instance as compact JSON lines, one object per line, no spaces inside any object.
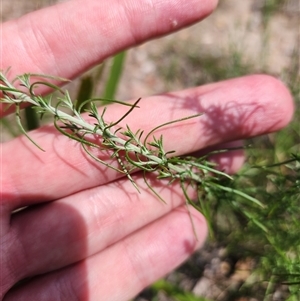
{"x":102,"y":129}
{"x":126,"y":146}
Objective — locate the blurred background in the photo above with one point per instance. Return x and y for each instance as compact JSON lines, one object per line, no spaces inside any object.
{"x":240,"y":261}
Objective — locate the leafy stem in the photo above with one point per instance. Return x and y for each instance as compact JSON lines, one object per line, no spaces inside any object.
{"x":131,"y":150}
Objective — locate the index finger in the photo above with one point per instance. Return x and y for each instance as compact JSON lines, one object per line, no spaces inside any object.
{"x":70,"y":37}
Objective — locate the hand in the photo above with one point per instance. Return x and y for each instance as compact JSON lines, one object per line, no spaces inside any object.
{"x":86,"y":233}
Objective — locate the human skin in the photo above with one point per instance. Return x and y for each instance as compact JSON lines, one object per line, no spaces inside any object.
{"x":87,"y":234}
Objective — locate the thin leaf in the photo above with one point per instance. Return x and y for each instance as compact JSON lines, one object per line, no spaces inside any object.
{"x":115,"y":75}
{"x":18,"y":119}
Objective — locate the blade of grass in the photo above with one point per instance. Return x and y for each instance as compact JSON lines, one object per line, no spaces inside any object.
{"x":114,"y":76}
{"x":85,"y":92}
{"x":31,"y":119}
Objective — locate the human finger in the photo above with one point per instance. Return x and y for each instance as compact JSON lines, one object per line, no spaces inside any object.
{"x":234,"y":109}
{"x":124,"y":269}
{"x":65,"y":231}
{"x":84,"y":33}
